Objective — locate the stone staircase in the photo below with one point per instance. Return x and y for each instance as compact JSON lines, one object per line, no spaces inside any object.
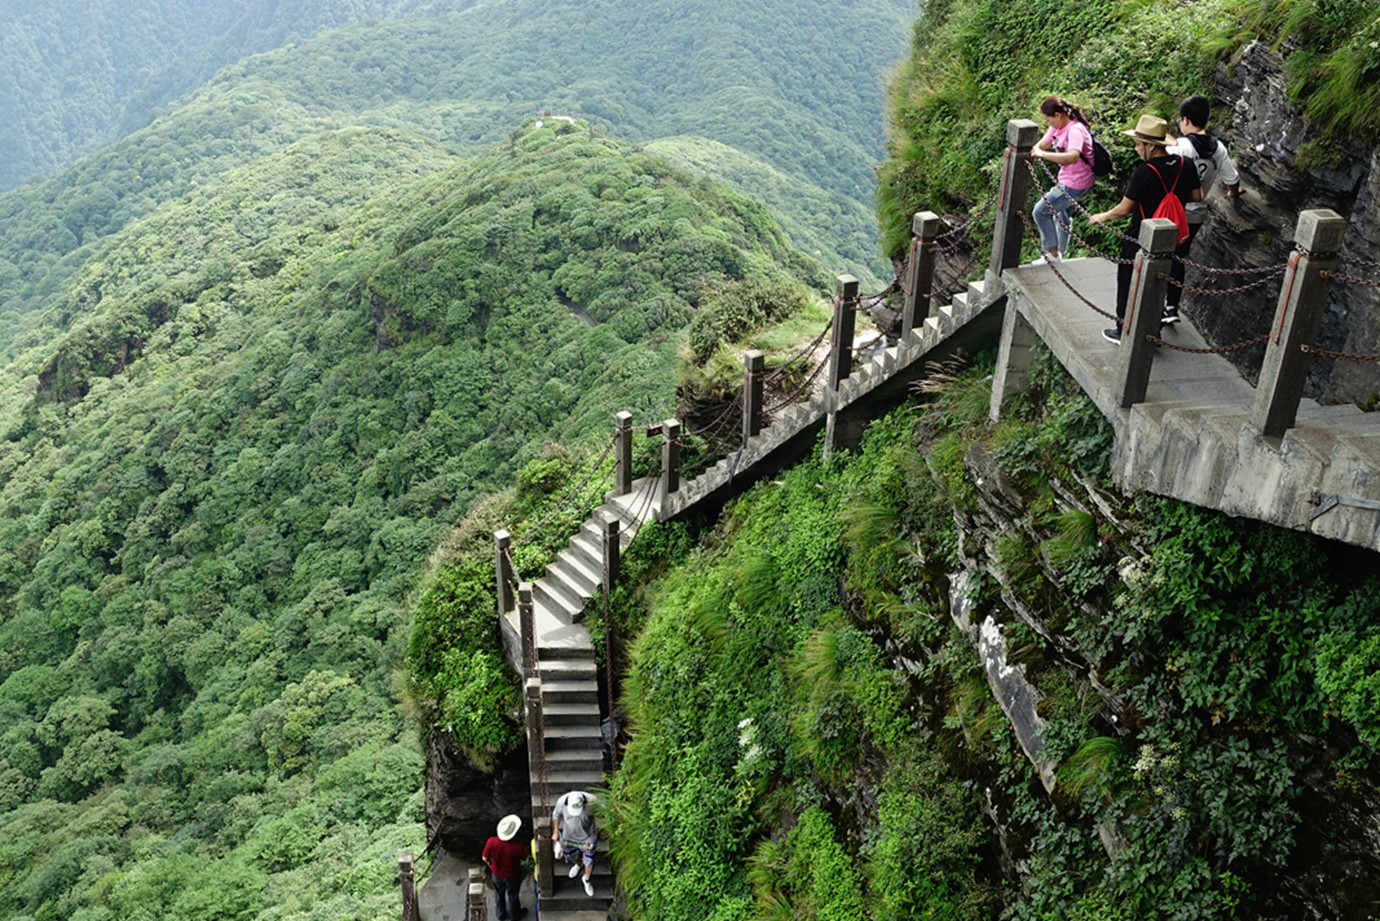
{"x":571,"y":756}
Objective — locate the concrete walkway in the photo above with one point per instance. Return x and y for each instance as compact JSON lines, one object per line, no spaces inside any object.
{"x":1191,"y":438}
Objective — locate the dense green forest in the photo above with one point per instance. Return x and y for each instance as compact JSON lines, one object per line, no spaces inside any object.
{"x":222,"y":479}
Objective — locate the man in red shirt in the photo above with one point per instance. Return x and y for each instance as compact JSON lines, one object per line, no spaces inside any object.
{"x":503,"y":856}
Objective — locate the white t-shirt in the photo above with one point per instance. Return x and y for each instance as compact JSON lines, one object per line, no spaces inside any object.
{"x":1209,"y":156}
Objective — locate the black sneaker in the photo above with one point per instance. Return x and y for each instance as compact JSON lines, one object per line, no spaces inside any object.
{"x":1171,"y":315}
{"x":1112,"y":335}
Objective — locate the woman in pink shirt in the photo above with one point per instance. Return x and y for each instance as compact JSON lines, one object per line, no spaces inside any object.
{"x":1067,"y":142}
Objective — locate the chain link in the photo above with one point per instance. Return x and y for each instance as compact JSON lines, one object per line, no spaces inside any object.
{"x":1352,"y":279}
{"x":1340,"y":356}
{"x":1218,"y":350}
{"x":1054,"y":265}
{"x":1276,"y":272}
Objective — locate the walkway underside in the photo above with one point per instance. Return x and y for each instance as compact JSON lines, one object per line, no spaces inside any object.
{"x":1191,"y":439}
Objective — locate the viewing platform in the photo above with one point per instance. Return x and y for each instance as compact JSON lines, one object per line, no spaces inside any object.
{"x":1192,"y":438}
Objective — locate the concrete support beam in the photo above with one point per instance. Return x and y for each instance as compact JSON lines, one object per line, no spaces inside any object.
{"x":1144,"y":309}
{"x":670,"y":459}
{"x":1012,"y":198}
{"x":919,"y":281}
{"x":1018,"y":338}
{"x":527,"y":629}
{"x":1302,"y":302}
{"x":622,"y":453}
{"x":753,"y":364}
{"x":503,"y":542}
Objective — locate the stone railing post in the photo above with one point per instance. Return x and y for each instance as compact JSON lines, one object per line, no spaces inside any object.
{"x":1302,"y":302}
{"x":612,"y":532}
{"x":407,"y":878}
{"x":1012,"y":197}
{"x":1144,"y":309}
{"x":841,"y":349}
{"x":546,"y":858}
{"x":670,"y":459}
{"x":845,"y":320}
{"x":503,"y":543}
{"x":622,"y":453}
{"x":476,"y":909}
{"x":753,"y":364}
{"x":919,"y":271}
{"x":527,"y":628}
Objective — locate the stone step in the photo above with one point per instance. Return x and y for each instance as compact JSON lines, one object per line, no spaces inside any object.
{"x":567,"y":669}
{"x":586,"y":576}
{"x":561,"y":578}
{"x":570,"y":894}
{"x":565,"y":760}
{"x":567,"y":737}
{"x":569,"y":692}
{"x":588,"y":550}
{"x":568,"y":712}
{"x":556,"y":602}
{"x":569,"y":778}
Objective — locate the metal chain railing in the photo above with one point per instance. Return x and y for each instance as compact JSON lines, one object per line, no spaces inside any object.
{"x":1210,"y":350}
{"x":1352,"y":279}
{"x":1054,"y":265}
{"x":1340,"y":356}
{"x":1276,"y":273}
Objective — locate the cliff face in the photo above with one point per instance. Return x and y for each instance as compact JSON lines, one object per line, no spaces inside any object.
{"x":1286,"y":167}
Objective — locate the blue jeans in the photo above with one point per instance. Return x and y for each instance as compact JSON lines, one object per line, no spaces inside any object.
{"x":1057,"y":200}
{"x":507,"y":890}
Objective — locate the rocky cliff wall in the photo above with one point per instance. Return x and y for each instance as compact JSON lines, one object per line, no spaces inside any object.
{"x":1288,"y":166}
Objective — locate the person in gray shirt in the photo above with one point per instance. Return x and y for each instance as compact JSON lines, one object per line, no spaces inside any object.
{"x":1210,"y":158}
{"x":572,"y":828}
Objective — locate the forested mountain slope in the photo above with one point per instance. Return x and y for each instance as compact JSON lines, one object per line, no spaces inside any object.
{"x":76,"y":76}
{"x":798,"y":85}
{"x":222,"y":478}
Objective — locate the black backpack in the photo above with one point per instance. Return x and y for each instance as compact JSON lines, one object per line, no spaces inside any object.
{"x":1101,"y":160}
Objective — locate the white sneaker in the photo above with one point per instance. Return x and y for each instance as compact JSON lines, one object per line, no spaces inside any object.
{"x":575,"y":871}
{"x":589,"y":889}
{"x":1040,"y":261}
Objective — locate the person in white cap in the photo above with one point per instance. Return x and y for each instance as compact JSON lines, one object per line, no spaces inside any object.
{"x":572,"y":827}
{"x":503,"y":856}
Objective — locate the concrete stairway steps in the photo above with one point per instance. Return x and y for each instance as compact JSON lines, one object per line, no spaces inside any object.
{"x":570,"y":692}
{"x":560,"y":578}
{"x":587,"y":576}
{"x":567,"y":669}
{"x":557,"y":602}
{"x":564,"y":737}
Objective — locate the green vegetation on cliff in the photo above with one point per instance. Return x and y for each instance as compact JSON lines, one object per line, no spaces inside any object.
{"x":813,"y":735}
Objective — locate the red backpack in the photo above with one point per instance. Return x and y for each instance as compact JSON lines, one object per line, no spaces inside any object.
{"x":1171,"y":209}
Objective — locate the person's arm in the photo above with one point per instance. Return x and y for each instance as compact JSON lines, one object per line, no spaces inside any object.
{"x":1063,"y":158}
{"x":1122,"y":209}
{"x":1226,"y":170}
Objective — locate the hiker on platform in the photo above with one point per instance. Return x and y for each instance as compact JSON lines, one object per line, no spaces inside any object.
{"x":1069,"y":143}
{"x":572,"y":826}
{"x":1212,"y":161}
{"x":503,"y":856}
{"x":1161,"y":173}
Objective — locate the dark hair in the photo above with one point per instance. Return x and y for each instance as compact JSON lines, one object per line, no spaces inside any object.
{"x":1195,"y":109}
{"x":1058,"y":105}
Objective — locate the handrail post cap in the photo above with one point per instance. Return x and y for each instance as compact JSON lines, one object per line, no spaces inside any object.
{"x":925,"y":224}
{"x":1158,"y":236}
{"x":1022,"y":132}
{"x":1320,"y":230}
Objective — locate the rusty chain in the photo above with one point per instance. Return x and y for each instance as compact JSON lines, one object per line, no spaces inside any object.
{"x":569,"y":500}
{"x":1352,"y":279}
{"x":1054,"y":265}
{"x":1210,"y":350}
{"x":1276,"y":272}
{"x":1073,"y":235}
{"x":1340,"y":356}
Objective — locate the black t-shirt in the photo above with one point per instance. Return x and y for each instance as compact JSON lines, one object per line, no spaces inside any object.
{"x":1147,"y":190}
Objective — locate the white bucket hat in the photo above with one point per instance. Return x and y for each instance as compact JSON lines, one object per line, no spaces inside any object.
{"x":508,"y":826}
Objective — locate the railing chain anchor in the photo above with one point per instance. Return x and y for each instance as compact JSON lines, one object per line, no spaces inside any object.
{"x":1326,"y":503}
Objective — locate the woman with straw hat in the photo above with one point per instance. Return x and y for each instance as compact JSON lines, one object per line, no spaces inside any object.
{"x":1160,"y":173}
